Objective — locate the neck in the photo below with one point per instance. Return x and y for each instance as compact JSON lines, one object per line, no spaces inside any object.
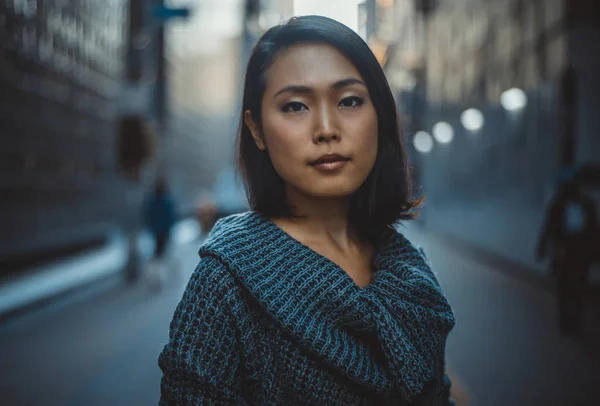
{"x":320,"y":220}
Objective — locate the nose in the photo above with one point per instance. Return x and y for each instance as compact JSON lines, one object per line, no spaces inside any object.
{"x":326,"y":126}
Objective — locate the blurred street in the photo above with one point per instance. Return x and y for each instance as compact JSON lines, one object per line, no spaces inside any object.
{"x":100,"y":347}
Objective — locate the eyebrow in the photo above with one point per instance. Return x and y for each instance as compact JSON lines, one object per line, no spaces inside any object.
{"x":306,"y":89}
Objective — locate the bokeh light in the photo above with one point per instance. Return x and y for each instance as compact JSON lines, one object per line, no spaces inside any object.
{"x":423,"y":142}
{"x":443,"y":132}
{"x":472,"y":119}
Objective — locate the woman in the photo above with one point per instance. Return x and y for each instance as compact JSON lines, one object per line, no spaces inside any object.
{"x":312,"y":297}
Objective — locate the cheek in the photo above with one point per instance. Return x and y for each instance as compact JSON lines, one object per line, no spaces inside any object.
{"x":285,"y":146}
{"x":367,"y":142}
{"x":369,"y":157}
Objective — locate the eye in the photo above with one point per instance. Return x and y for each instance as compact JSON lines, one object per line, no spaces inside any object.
{"x":293,"y":107}
{"x":352,"y":101}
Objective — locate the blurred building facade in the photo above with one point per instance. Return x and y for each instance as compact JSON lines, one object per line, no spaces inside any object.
{"x":203,"y":84}
{"x":490,"y":184}
{"x":61,"y":65}
{"x":70,"y":69}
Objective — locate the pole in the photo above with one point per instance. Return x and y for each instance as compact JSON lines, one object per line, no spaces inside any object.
{"x":161,"y":76}
{"x":371,"y":18}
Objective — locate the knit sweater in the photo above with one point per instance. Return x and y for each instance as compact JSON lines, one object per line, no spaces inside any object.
{"x":265,"y":320}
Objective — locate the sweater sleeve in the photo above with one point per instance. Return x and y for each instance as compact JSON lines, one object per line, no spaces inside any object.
{"x":201,"y":360}
{"x":437,"y":392}
{"x":443,"y":383}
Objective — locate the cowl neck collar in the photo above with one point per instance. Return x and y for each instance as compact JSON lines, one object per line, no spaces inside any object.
{"x":316,"y":301}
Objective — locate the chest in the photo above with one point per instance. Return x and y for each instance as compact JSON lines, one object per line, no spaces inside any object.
{"x":280,"y":371}
{"x":356,"y":265}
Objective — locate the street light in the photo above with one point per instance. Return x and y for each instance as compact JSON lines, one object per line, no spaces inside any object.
{"x":423,"y":142}
{"x":513,"y":99}
{"x":443,"y":132}
{"x":472,"y":119}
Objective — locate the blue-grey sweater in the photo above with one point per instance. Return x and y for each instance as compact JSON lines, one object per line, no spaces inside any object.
{"x":266,"y":320}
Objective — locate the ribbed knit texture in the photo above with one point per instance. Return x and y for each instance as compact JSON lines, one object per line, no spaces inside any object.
{"x":266,"y":320}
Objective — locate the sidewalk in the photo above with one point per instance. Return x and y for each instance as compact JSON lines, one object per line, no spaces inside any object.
{"x":48,"y":280}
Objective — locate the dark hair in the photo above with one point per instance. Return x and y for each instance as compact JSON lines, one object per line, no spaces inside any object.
{"x":386,"y":195}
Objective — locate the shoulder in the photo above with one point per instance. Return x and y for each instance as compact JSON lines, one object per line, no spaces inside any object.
{"x":211,"y":283}
{"x":211,"y":296}
{"x":234,"y":227}
{"x":403,"y":248}
{"x":238,"y":224}
{"x":234,"y":236}
{"x":210,"y":270}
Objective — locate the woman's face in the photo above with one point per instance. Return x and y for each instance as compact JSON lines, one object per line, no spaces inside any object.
{"x":319,"y":125}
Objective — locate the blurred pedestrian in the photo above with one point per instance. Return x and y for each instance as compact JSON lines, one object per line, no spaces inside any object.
{"x":570,"y":233}
{"x":206,"y":213}
{"x":160,"y":216}
{"x":136,"y":143}
{"x":313,"y":297}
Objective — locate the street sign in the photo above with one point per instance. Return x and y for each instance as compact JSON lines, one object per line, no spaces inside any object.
{"x":163,"y":13}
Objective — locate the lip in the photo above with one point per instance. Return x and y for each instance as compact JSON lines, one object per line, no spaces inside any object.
{"x":329,"y":162}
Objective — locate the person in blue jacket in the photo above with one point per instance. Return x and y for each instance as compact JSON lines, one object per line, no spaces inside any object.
{"x":160,"y":216}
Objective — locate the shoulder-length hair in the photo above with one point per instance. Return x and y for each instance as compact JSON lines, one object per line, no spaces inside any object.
{"x":386,"y":195}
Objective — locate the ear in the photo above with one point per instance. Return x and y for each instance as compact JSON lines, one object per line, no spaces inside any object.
{"x":254,"y":130}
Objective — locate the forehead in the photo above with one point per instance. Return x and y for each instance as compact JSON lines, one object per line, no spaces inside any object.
{"x":309,"y":64}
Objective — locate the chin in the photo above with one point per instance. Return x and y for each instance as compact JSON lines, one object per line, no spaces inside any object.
{"x":330,"y":190}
